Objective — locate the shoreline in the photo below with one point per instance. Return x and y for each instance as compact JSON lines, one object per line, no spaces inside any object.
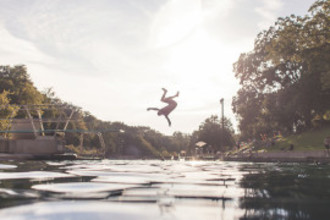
{"x":320,"y":156}
{"x":316,"y":156}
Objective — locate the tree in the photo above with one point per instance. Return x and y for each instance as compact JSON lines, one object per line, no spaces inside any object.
{"x":211,"y":132}
{"x":285,"y":79}
{"x":21,"y":89}
{"x":180,"y":141}
{"x":6,"y":111}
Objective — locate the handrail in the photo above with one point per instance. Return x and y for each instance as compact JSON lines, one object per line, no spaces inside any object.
{"x":67,"y":130}
{"x":38,"y":106}
{"x":34,"y":105}
{"x":35,"y":119}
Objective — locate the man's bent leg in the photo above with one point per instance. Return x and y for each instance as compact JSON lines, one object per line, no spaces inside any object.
{"x":163,"y":99}
{"x":168,"y":120}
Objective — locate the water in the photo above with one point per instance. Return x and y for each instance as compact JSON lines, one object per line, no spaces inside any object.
{"x":111,"y":189}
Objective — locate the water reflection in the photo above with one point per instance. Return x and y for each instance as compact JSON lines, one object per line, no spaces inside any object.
{"x":166,"y":189}
{"x":286,"y":191}
{"x":7,"y":166}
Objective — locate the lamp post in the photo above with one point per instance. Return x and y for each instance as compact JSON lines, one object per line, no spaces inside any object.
{"x":222,"y":113}
{"x":222,"y":122}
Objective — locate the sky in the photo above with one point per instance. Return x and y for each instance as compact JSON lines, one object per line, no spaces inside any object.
{"x":112,"y":57}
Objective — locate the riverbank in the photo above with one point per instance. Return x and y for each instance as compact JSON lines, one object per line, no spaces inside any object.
{"x":306,"y":146}
{"x":321,"y":156}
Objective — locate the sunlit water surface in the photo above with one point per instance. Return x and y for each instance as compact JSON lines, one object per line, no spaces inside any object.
{"x":114,"y":189}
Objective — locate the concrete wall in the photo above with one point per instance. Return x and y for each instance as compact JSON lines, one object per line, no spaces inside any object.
{"x":24,"y":125}
{"x":285,"y":156}
{"x":292,"y":154}
{"x":28,"y":143}
{"x":4,"y":145}
{"x":46,"y":145}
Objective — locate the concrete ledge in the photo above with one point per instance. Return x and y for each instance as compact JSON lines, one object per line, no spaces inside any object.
{"x":16,"y":156}
{"x":288,"y":156}
{"x":46,"y":145}
{"x":38,"y":157}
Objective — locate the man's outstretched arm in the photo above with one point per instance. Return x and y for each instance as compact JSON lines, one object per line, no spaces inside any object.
{"x":168,"y":120}
{"x":155,"y":109}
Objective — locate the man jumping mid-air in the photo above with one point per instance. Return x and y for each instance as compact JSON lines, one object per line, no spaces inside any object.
{"x":167,"y":109}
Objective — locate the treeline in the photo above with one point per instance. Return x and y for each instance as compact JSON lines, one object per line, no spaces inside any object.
{"x":16,"y":88}
{"x":285,"y":80}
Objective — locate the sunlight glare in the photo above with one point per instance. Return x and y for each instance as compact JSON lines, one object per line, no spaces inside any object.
{"x":175,"y":22}
{"x":198,"y":62}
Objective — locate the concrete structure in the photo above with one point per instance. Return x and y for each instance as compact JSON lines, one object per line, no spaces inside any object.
{"x":38,"y":146}
{"x":287,"y":156}
{"x":23,"y":140}
{"x":27,"y":136}
{"x":26,"y":128}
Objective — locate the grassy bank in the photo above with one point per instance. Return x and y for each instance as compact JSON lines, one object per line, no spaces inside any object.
{"x":310,"y":140}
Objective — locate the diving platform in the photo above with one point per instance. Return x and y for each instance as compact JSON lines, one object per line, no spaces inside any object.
{"x":25,"y":133}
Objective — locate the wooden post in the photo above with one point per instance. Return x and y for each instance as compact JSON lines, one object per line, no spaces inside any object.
{"x":102,"y":142}
{"x":31,"y":119}
{"x":58,"y":120}
{"x":68,"y":120}
{"x":81,"y":141}
{"x":41,"y":123}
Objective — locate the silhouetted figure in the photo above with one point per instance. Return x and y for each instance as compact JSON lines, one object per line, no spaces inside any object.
{"x":238,"y":145}
{"x":167,"y":109}
{"x":327,"y":144}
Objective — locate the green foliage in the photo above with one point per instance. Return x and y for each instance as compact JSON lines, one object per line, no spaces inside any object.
{"x":285,"y":79}
{"x":309,"y":140}
{"x":21,"y":89}
{"x":180,"y":142}
{"x":6,"y":112}
{"x":212,"y":133}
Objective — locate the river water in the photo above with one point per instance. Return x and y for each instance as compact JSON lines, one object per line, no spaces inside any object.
{"x":146,"y":189}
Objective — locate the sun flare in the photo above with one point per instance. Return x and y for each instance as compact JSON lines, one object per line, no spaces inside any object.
{"x":194,"y":58}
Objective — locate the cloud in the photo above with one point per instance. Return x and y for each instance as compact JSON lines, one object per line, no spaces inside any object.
{"x":269,"y":12}
{"x":82,"y":35}
{"x":18,"y":51}
{"x":174,"y":22}
{"x":212,"y":8}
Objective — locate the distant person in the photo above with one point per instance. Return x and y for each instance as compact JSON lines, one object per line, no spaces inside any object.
{"x":167,"y":109}
{"x":238,"y":145}
{"x":327,"y":144}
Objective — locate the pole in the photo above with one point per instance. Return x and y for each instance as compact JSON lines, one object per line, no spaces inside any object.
{"x":222,"y":123}
{"x":222,"y":113}
{"x":31,"y":120}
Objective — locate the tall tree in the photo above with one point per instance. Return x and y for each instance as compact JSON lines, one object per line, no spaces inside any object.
{"x":17,"y":81}
{"x":6,"y":111}
{"x":285,"y":78}
{"x":211,"y":132}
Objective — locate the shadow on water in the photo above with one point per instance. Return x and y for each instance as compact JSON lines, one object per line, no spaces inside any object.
{"x":17,"y":191}
{"x":286,"y":191}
